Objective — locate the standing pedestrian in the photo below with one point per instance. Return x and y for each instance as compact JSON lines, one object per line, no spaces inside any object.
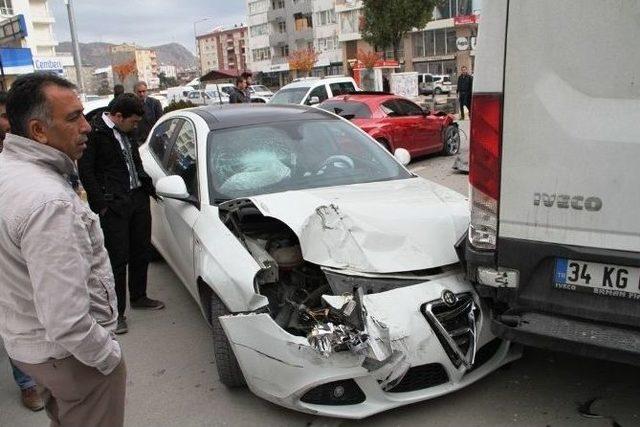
{"x":152,"y":112}
{"x":28,"y":392}
{"x":464,"y":88}
{"x":117,"y":91}
{"x":57,"y":297}
{"x":238,"y":95}
{"x":248,"y":76}
{"x":118,"y":189}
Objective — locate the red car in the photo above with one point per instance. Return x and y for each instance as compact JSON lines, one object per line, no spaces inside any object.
{"x":395,"y":122}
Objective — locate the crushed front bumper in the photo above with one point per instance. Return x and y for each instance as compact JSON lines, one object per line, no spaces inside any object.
{"x":287,"y":370}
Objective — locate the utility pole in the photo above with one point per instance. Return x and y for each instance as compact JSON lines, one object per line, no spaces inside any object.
{"x":76,"y":47}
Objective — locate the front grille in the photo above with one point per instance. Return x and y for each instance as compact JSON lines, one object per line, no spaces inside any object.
{"x":485,"y":353}
{"x":421,"y":377}
{"x":345,"y":392}
{"x":455,"y":326}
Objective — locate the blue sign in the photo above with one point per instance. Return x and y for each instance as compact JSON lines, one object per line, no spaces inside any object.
{"x":16,"y":60}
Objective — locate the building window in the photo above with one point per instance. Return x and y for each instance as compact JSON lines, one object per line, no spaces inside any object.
{"x":325,"y":17}
{"x":434,"y":42}
{"x":302,"y":22}
{"x":261,"y":54}
{"x":6,"y":8}
{"x":450,"y":8}
{"x":349,"y":22}
{"x":283,"y":50}
{"x":277,"y":4}
{"x":327,"y":43}
{"x":282,"y":27}
{"x":259,"y":30}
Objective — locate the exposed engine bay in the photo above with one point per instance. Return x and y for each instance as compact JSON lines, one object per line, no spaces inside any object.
{"x":322,"y":304}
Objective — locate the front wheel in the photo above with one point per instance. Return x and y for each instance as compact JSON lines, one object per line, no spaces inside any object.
{"x":451,"y":140}
{"x":226,"y":363}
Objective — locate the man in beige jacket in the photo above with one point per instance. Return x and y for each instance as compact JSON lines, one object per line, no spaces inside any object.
{"x":57,"y":297}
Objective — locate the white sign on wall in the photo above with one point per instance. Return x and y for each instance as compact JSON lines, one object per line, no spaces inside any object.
{"x":49,"y":64}
{"x":462,"y":43}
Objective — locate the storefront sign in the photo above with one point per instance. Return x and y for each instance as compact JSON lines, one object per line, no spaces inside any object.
{"x":279,"y":67}
{"x":462,"y":43}
{"x":16,"y":61}
{"x":465,"y":20}
{"x":51,"y":65}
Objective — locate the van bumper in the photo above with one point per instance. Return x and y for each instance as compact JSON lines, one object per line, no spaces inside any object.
{"x":528,"y":309}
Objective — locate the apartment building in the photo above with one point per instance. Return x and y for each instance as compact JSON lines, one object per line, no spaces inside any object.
{"x":223,"y":49}
{"x":443,"y":46}
{"x":279,"y":27}
{"x":32,"y":46}
{"x":131,"y":64}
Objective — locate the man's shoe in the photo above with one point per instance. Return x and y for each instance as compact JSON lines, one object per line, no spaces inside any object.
{"x":121,"y":327}
{"x":147,"y":304}
{"x":31,"y":399}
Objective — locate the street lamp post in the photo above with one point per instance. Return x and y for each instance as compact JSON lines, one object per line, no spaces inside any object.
{"x":76,"y":47}
{"x":195,"y":36}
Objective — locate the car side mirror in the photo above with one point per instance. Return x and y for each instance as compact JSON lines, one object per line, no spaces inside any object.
{"x":402,"y":156}
{"x":314,"y":100}
{"x":172,"y":187}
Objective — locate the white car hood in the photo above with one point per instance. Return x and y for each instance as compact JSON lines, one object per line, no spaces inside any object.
{"x":382,"y":227}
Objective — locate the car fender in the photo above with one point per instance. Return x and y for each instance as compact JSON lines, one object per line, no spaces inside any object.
{"x":225,"y":265}
{"x":378,"y":133}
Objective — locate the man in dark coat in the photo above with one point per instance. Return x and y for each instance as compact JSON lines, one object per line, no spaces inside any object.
{"x":238,"y":94}
{"x":152,"y":112}
{"x":465,"y":87}
{"x":118,"y":190}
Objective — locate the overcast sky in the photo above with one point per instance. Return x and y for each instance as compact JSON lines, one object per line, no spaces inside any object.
{"x":145,"y":22}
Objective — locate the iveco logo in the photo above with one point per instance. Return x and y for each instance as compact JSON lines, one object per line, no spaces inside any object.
{"x":564,"y":201}
{"x":449,"y":297}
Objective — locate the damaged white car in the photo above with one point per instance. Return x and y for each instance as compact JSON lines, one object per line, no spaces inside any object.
{"x":327,"y":271}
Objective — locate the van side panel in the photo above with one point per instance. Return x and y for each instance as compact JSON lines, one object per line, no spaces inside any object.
{"x":571,"y":132}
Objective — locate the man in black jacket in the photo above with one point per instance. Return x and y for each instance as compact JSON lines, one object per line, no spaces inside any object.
{"x":118,"y":189}
{"x":465,"y":87}
{"x":152,"y":112}
{"x":238,"y":94}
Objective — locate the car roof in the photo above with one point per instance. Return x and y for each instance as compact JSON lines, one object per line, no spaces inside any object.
{"x":236,"y":115}
{"x":313,"y":82}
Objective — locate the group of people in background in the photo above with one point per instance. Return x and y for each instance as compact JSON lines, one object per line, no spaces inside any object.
{"x":240,"y":93}
{"x":66,"y":265}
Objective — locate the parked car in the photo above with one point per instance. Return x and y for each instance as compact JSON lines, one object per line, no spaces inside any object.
{"x":179,"y":93}
{"x":260,"y":90}
{"x":326,"y":270}
{"x":207,"y":97}
{"x":314,"y":90}
{"x":226,"y":88}
{"x":396,"y":122}
{"x":434,"y":83}
{"x":554,"y":241}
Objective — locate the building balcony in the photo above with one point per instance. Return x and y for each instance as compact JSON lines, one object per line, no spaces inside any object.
{"x":278,"y":39}
{"x":6,"y":12}
{"x":43,"y":19}
{"x":344,"y":6}
{"x":279,"y":60}
{"x":304,"y":34}
{"x":277,"y":14}
{"x":346,"y":37}
{"x":302,"y":6}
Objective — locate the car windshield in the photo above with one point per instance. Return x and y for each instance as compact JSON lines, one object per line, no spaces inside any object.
{"x":294,"y":155}
{"x":292,"y":95}
{"x":347,"y":109}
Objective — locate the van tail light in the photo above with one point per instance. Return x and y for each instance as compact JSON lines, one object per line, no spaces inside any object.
{"x":484,"y":169}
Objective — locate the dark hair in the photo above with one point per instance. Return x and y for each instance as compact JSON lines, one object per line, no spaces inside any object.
{"x":118,"y":90}
{"x":3,"y":98}
{"x":127,"y":104}
{"x":26,"y":99}
{"x":247,"y":74}
{"x":240,"y":79}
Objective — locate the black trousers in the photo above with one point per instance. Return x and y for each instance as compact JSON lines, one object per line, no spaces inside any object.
{"x":127,"y":237}
{"x":465,"y":101}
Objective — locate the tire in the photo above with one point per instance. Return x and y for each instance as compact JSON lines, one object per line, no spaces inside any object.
{"x":450,"y":140}
{"x":226,"y":363}
{"x":385,"y":144}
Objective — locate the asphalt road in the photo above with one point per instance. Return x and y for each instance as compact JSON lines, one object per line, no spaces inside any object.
{"x":173,"y":381}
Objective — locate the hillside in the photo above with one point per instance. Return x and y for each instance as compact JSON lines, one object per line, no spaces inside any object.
{"x":97,"y":54}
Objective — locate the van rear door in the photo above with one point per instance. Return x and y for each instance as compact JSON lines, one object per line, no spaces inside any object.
{"x":570,"y":171}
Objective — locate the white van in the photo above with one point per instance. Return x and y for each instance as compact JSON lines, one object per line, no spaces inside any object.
{"x":314,"y":90}
{"x":179,"y":93}
{"x":434,"y":83}
{"x":554,"y":240}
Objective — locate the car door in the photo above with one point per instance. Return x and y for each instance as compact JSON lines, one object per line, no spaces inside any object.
{"x":154,"y":157}
{"x":181,"y":215}
{"x":396,"y":125}
{"x":422,"y":129}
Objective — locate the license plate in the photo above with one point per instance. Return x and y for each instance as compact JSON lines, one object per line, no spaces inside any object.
{"x":595,"y":278}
